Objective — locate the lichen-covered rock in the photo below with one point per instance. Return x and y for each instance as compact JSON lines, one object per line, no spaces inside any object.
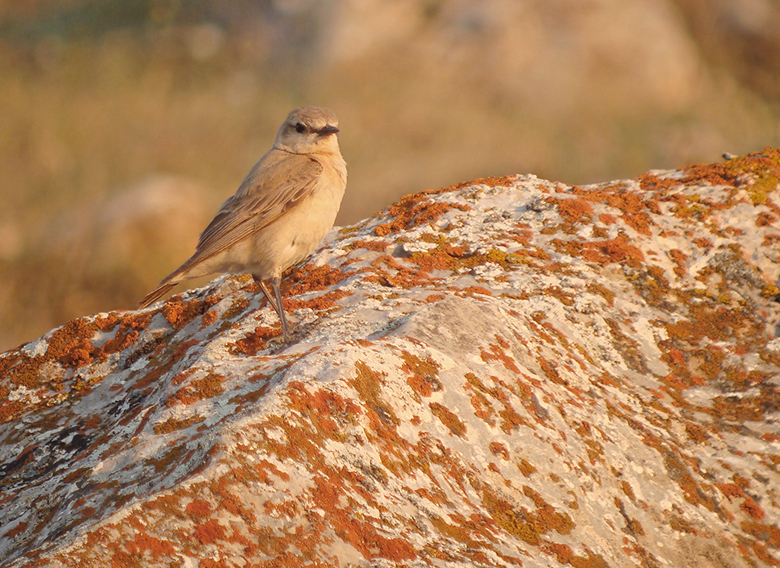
{"x":506,"y":372}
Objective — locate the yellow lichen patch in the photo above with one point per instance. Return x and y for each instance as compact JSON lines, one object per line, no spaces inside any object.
{"x":237,"y":305}
{"x":525,"y":525}
{"x":368,"y":384}
{"x":174,"y":424}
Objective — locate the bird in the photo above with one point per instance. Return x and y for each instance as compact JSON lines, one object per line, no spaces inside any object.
{"x":279,"y":214}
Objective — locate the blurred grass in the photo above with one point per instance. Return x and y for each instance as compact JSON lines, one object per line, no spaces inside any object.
{"x":98,"y":96}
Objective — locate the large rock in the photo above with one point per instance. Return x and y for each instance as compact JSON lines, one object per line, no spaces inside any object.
{"x":506,"y":372}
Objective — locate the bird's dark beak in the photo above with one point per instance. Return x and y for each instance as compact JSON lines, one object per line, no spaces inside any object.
{"x":327,"y":130}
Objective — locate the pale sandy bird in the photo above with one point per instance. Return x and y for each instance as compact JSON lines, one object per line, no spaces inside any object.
{"x":279,"y":214}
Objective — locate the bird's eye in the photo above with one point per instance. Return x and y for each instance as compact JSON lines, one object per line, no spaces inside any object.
{"x":300,"y":128}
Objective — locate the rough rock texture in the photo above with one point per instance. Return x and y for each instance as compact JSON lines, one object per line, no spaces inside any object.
{"x":509,"y":372}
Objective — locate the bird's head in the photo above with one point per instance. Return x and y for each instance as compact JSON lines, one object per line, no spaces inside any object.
{"x":309,"y":130}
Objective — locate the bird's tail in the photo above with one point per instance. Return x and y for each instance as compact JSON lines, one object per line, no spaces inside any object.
{"x":157,"y":293}
{"x":181,"y":274}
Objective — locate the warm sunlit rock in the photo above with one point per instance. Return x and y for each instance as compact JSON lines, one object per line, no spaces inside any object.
{"x":506,"y":372}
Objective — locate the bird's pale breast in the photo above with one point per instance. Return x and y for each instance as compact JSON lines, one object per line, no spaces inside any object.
{"x":292,"y":237}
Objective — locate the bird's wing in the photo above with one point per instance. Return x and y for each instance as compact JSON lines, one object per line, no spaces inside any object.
{"x":275,"y":185}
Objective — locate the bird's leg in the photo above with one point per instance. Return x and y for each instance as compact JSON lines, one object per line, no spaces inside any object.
{"x":276,"y":285}
{"x":267,"y":293}
{"x":275,"y":299}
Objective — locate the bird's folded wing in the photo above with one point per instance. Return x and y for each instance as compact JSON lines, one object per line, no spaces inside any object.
{"x":271,"y":189}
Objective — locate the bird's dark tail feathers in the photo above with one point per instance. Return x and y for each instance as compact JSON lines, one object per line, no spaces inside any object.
{"x":157,"y":293}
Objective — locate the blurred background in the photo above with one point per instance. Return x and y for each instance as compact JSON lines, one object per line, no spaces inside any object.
{"x":125,"y":123}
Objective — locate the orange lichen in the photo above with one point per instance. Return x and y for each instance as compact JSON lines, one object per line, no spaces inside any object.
{"x":253,"y":341}
{"x":640,"y":222}
{"x":318,"y":303}
{"x":209,"y":318}
{"x":491,"y":181}
{"x":311,"y":278}
{"x":209,"y":532}
{"x":17,"y":530}
{"x":768,"y":533}
{"x":678,"y":257}
{"x":377,"y":246}
{"x":525,"y":467}
{"x":682,"y":525}
{"x":550,"y":371}
{"x":499,"y":449}
{"x":615,"y":250}
{"x":427,"y":368}
{"x":126,"y":335}
{"x":144,"y":542}
{"x":589,"y":561}
{"x":456,"y":532}
{"x":606,"y":293}
{"x":423,"y":385}
{"x":706,"y":244}
{"x":448,"y":418}
{"x":198,"y":389}
{"x":472,"y":290}
{"x":413,"y":210}
{"x":179,"y":313}
{"x":74,"y":334}
{"x":574,"y":210}
{"x":497,"y":353}
{"x":198,"y":508}
{"x":764,"y":219}
{"x":752,"y":509}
